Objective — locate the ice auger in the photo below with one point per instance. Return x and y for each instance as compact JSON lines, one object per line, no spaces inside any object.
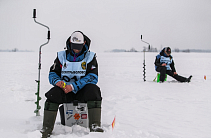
{"x":39,"y":66}
{"x":144,"y":64}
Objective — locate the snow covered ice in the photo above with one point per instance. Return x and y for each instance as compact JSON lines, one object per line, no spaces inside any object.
{"x":142,"y":109}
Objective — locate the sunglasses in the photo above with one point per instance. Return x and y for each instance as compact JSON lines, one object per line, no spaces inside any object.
{"x":169,"y":52}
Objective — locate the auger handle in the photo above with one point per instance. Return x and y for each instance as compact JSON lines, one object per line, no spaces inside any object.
{"x":34,"y":13}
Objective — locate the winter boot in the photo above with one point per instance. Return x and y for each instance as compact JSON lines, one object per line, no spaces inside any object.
{"x":50,"y":113}
{"x":94,"y":112}
{"x":188,"y":79}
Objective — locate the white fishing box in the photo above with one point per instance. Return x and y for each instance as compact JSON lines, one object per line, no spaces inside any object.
{"x":75,"y":114}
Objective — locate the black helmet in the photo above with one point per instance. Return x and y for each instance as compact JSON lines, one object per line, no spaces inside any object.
{"x":168,"y":50}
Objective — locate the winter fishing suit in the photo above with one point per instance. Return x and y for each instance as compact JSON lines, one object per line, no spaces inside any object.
{"x":169,"y":69}
{"x":79,"y":70}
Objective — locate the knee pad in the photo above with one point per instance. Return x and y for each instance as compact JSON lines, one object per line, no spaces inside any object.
{"x":51,"y":106}
{"x":94,"y":104}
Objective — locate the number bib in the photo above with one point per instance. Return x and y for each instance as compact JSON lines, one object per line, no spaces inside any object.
{"x":73,"y":71}
{"x":166,"y":60}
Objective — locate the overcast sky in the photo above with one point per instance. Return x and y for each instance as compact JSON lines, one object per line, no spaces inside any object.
{"x":110,"y":24}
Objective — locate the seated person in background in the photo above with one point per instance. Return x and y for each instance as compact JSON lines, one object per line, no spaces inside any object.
{"x":164,"y":64}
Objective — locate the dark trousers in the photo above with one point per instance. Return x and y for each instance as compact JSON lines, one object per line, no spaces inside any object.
{"x":163,"y":71}
{"x":89,"y":92}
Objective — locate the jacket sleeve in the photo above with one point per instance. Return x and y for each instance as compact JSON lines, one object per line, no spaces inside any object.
{"x":172,"y":66}
{"x":55,"y":72}
{"x":91,"y":76}
{"x":157,"y":61}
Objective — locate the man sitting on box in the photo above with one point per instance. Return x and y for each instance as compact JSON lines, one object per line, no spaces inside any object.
{"x":74,"y":75}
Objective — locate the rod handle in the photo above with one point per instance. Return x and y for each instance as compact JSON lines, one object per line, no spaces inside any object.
{"x":34,"y":13}
{"x":48,"y":35}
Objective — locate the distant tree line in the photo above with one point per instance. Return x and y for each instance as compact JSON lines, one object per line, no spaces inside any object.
{"x":123,"y":50}
{"x":152,"y":49}
{"x":184,"y":50}
{"x":192,"y":50}
{"x":15,"y":50}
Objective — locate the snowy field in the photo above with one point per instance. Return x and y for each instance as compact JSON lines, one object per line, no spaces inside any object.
{"x":142,"y":109}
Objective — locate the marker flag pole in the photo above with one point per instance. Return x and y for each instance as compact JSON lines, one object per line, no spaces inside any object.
{"x":113,"y":123}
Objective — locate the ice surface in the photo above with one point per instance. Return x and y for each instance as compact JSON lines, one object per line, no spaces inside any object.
{"x":142,"y":109}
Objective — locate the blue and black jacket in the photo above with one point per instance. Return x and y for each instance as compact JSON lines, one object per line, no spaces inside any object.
{"x":163,"y":58}
{"x":91,"y":75}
